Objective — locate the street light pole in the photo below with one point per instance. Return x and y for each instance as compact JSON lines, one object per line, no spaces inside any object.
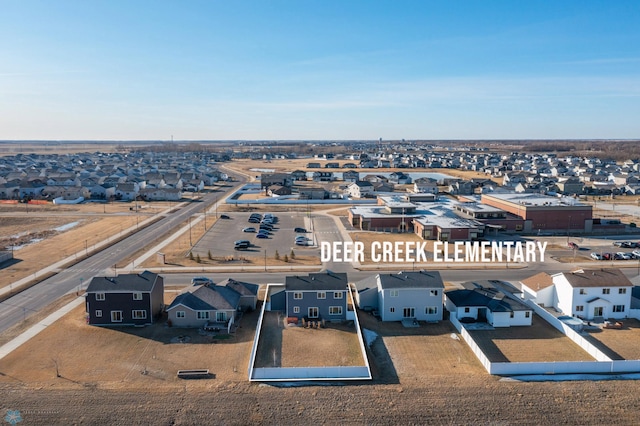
{"x":190,"y":243}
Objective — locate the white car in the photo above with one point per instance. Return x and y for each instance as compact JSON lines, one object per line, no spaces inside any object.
{"x":596,"y":256}
{"x":624,"y":256}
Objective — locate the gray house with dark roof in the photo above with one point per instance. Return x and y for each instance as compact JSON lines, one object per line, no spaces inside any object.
{"x":489,"y":301}
{"x":316,"y":296}
{"x":404,"y":295}
{"x":127,"y":299}
{"x":207,"y":304}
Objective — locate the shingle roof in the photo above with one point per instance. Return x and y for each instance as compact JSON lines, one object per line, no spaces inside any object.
{"x":143,"y":282}
{"x":207,"y":298}
{"x":597,"y":278}
{"x":245,"y":289}
{"x":492,"y":298}
{"x":319,"y":281}
{"x":539,"y":281}
{"x":418,"y":279}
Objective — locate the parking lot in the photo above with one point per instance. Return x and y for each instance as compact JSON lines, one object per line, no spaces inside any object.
{"x":219,"y":239}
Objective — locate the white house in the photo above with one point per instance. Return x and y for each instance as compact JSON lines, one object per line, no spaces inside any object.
{"x":593,"y":293}
{"x":359,"y":189}
{"x":493,"y":302}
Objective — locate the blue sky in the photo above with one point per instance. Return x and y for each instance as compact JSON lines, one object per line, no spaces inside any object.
{"x":298,"y":69}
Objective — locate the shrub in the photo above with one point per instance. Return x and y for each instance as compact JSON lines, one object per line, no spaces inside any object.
{"x":277,"y":255}
{"x":285,"y":258}
{"x":209,"y":255}
{"x":292,"y":255}
{"x":191,"y":256}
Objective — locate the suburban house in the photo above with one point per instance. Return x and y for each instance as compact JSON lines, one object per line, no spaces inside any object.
{"x":127,"y":299}
{"x":207,"y":304}
{"x":403,"y":295}
{"x":425,"y":185}
{"x":491,"y":301}
{"x":589,"y":294}
{"x":318,"y":296}
{"x":360,"y":189}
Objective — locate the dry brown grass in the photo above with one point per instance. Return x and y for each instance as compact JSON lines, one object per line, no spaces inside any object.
{"x":296,"y":346}
{"x":126,"y":357}
{"x":621,"y":343}
{"x":80,"y":239}
{"x":538,"y":343}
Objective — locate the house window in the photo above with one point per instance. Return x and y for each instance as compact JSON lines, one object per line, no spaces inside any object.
{"x":313,"y":312}
{"x":221,"y":316}
{"x":511,"y":314}
{"x":466,"y":310}
{"x":431,"y":310}
{"x":137,"y":296}
{"x":322,"y":295}
{"x":180,"y":314}
{"x":98,"y":313}
{"x":394,"y":293}
{"x":337,"y":295}
{"x":116,"y":316}
{"x":335,"y":310}
{"x":202,"y":315}
{"x":622,"y":291}
{"x":583,"y":291}
{"x":392,"y":310}
{"x":618,"y":308}
{"x":433,"y":292}
{"x":527,"y":314}
{"x":297,"y":295}
{"x":296,"y":309}
{"x":99,"y":296}
{"x":579,"y":308}
{"x":606,"y":290}
{"x":139,"y":314}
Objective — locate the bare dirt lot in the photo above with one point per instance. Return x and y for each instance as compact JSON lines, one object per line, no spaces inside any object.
{"x":421,"y":375}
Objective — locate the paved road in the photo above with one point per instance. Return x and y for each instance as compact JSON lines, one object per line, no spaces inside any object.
{"x":18,"y":307}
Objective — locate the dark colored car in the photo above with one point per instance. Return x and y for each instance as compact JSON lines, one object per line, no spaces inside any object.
{"x":261,"y":235}
{"x":224,"y":216}
{"x":302,"y":230}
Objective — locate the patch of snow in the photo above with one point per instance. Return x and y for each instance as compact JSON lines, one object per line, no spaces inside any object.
{"x":454,"y":336}
{"x":369,"y":336}
{"x":66,"y":227}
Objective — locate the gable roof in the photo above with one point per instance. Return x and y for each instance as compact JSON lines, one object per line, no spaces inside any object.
{"x":207,"y":298}
{"x":495,"y":301}
{"x":418,"y":279}
{"x":597,"y":278}
{"x":539,"y":281}
{"x":319,"y":281}
{"x":143,"y":282}
{"x":244,"y":289}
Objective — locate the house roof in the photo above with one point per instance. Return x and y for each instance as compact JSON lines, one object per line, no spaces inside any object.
{"x":539,"y":281}
{"x":495,"y":301}
{"x":244,"y":289}
{"x":207,"y":298}
{"x":143,"y":282}
{"x":318,"y":281}
{"x":597,"y":278}
{"x":418,"y":279}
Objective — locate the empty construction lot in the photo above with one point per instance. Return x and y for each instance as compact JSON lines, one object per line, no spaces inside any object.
{"x":73,"y":373}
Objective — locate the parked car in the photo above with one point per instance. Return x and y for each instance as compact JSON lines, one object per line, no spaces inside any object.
{"x":636,"y":254}
{"x":302,"y":243}
{"x":224,"y":216}
{"x":201,"y":281}
{"x":596,"y":256}
{"x":623,"y":256}
{"x":241,"y":245}
{"x":628,"y":244}
{"x":607,"y":256}
{"x":302,"y":230}
{"x":254,"y":220}
{"x":250,"y":229}
{"x":617,"y":243}
{"x":262,"y":235}
{"x":573,"y":246}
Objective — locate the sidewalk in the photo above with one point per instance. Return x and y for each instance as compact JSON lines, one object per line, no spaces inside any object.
{"x":75,"y":256}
